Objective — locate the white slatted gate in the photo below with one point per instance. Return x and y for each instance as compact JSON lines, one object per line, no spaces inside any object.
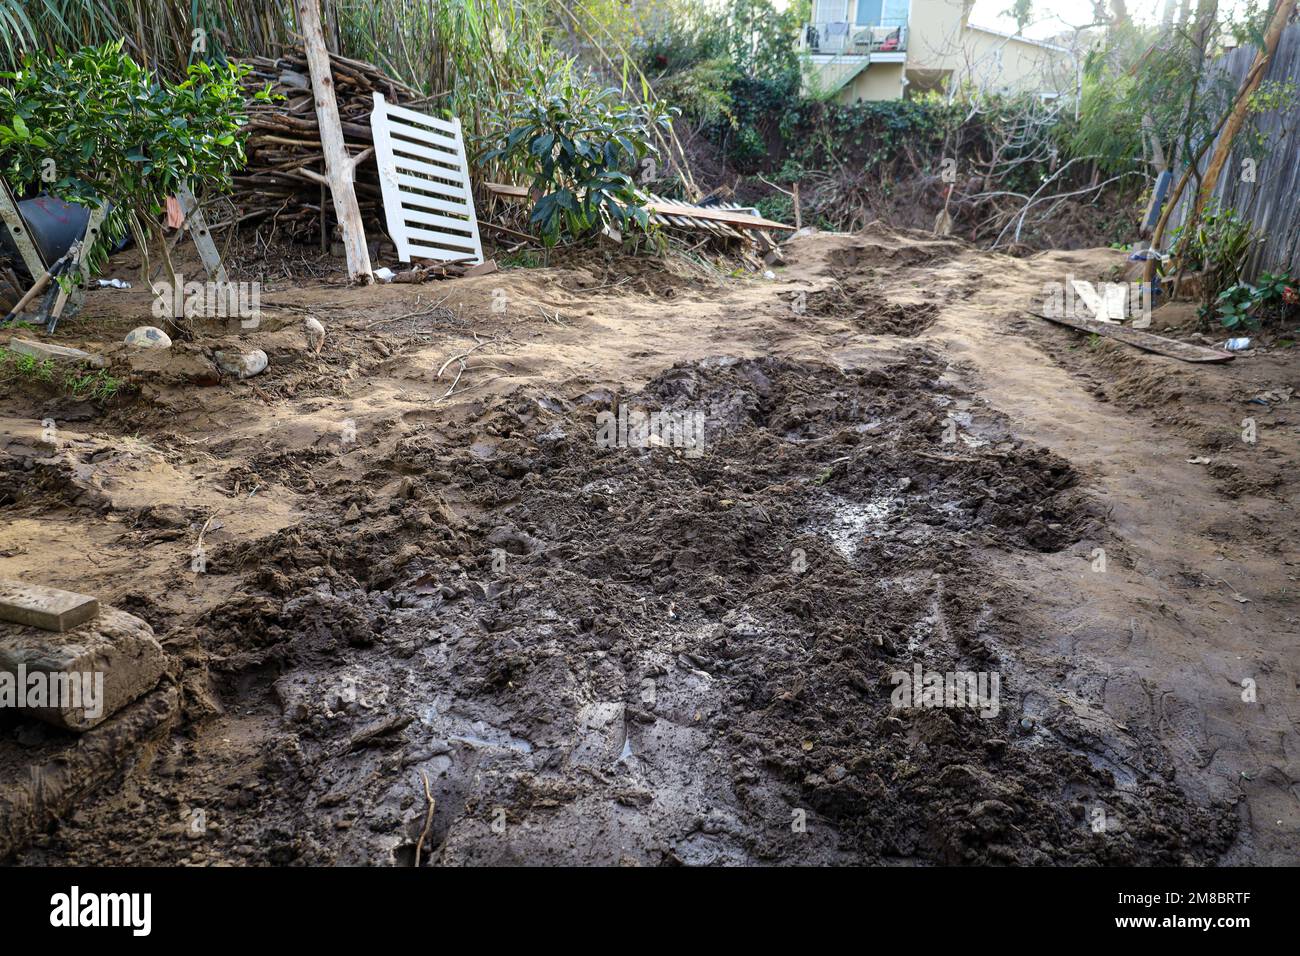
{"x":424,"y":175}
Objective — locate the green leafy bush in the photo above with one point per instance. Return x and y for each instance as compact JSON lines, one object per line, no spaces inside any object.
{"x":94,"y":126}
{"x":1218,"y":243}
{"x":579,"y":144}
{"x":1243,"y":304}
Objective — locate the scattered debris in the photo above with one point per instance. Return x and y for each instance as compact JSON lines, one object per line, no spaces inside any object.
{"x":455,"y":269}
{"x":1183,"y":351}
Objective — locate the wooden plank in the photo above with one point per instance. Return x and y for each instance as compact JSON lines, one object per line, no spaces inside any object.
{"x":505,"y":189}
{"x":1183,"y":351}
{"x":197,"y":224}
{"x":717,"y":215}
{"x":340,"y":167}
{"x":50,"y":609}
{"x":663,"y":207}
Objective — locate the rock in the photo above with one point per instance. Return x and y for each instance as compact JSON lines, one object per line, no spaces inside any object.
{"x":513,"y":540}
{"x":117,"y":652}
{"x":148,"y":337}
{"x":58,"y":353}
{"x":315,"y":333}
{"x":242,"y":364}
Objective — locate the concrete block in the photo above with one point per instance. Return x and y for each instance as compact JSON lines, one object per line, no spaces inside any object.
{"x":87,"y":673}
{"x":50,"y":609}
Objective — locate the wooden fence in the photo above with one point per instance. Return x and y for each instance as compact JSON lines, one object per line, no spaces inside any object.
{"x":1265,"y":190}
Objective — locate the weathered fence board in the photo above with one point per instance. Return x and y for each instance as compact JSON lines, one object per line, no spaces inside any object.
{"x":1272,"y":201}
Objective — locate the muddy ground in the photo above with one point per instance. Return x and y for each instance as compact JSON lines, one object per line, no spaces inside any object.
{"x":649,"y":656}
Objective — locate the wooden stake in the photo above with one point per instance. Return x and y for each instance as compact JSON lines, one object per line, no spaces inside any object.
{"x":339,"y":167}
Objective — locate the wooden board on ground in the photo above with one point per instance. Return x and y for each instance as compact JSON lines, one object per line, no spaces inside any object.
{"x":50,"y":609}
{"x":715,"y":214}
{"x":663,"y":207}
{"x":1183,"y":351}
{"x":428,"y":202}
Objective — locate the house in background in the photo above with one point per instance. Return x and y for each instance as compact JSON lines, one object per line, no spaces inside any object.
{"x":887,"y":49}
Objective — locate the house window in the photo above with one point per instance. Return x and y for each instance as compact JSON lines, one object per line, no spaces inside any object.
{"x":832,"y":11}
{"x":894,"y":13}
{"x":868,"y":13}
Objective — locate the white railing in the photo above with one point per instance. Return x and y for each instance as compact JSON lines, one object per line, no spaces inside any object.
{"x":853,"y":40}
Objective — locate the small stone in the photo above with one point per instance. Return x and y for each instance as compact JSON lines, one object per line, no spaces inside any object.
{"x":148,"y":337}
{"x":242,"y":364}
{"x":315,"y":333}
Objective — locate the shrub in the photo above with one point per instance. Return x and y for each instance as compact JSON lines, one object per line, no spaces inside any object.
{"x":94,"y":127}
{"x":577,"y":142}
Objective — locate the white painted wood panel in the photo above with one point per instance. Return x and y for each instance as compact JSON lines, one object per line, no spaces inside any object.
{"x":423,"y":170}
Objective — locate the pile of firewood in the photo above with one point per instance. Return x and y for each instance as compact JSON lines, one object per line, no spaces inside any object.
{"x":284,"y":144}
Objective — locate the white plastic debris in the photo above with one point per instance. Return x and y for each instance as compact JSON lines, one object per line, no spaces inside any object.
{"x":113,"y":284}
{"x":384,"y":274}
{"x":769,"y":274}
{"x":1237,"y":345}
{"x":148,"y":337}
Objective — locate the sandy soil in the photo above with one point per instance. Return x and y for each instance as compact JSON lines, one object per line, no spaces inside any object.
{"x":639,"y":657}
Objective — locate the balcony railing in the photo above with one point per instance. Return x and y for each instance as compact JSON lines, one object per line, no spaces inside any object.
{"x":853,"y":40}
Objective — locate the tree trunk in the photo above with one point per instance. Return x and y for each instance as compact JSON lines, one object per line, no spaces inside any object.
{"x":339,"y":166}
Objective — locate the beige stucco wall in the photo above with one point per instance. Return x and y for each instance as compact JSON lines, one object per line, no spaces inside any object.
{"x":934,"y":33}
{"x":879,"y":81}
{"x":1005,"y":64}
